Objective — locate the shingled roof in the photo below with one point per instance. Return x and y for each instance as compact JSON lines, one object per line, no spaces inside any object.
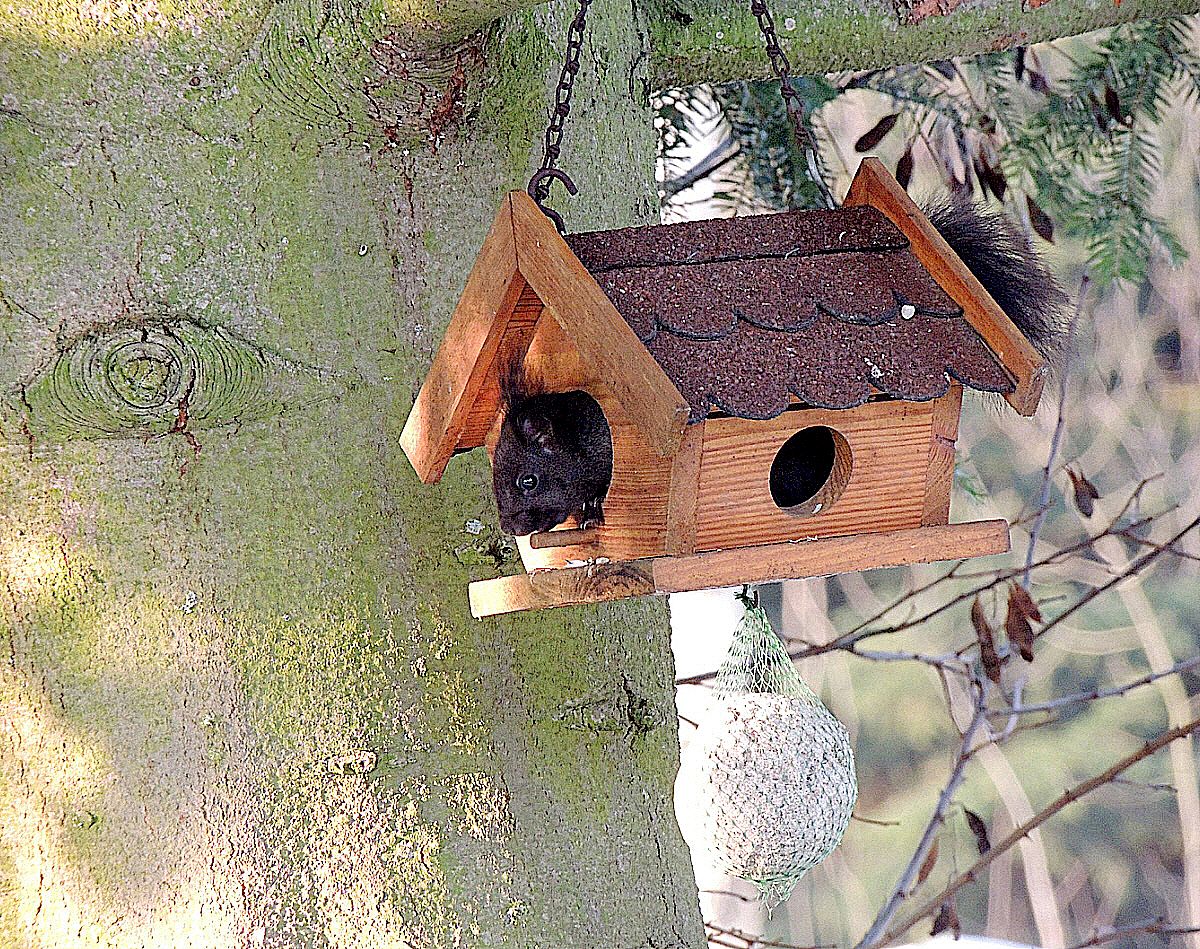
{"x":831,"y":307}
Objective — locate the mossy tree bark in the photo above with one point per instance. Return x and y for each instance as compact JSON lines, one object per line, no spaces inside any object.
{"x":243,"y":703}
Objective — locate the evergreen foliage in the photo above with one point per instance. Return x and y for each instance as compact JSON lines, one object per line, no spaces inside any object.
{"x":1067,"y":134}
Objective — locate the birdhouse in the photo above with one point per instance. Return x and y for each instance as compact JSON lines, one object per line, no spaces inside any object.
{"x":783,"y":391}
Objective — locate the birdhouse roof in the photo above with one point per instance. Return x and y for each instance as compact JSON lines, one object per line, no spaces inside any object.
{"x":827,"y":306}
{"x":830,"y":307}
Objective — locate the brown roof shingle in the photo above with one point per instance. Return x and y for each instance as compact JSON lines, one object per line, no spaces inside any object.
{"x":828,"y":306}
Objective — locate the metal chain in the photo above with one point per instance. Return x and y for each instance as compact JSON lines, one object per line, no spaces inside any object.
{"x":539,"y":184}
{"x":782,"y":68}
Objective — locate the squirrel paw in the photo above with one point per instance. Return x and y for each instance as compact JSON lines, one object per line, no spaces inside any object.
{"x":592,"y":514}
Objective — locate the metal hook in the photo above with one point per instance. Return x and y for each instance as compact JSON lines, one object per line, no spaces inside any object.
{"x":535,"y":182}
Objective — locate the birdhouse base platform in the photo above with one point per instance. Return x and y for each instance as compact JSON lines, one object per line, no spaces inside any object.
{"x":597,"y":582}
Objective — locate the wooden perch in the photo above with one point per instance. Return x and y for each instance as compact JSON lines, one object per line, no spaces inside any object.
{"x":563,"y":538}
{"x":594,"y":583}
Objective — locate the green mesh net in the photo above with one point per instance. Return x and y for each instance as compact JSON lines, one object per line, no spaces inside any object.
{"x":776,"y":770}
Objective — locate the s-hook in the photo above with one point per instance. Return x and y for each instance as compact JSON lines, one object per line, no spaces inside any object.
{"x":539,"y":184}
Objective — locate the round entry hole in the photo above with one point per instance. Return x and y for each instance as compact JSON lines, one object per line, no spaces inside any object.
{"x":810,"y":471}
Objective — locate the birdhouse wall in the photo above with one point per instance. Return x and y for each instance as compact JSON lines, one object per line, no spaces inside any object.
{"x":899,"y":473}
{"x":515,"y":337}
{"x":637,"y":506}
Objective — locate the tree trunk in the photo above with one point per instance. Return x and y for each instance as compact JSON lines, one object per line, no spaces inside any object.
{"x":244,"y":703}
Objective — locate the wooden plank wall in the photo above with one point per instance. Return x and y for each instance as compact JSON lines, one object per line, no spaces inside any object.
{"x":518,"y":332}
{"x":890,"y":442}
{"x":939,"y":479}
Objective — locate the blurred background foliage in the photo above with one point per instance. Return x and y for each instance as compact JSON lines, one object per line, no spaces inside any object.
{"x":1092,"y":143}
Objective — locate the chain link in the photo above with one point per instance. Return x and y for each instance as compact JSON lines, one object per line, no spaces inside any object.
{"x":539,"y":184}
{"x":782,"y":68}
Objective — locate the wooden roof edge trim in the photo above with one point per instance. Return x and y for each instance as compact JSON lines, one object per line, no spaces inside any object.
{"x":578,"y":304}
{"x":441,"y":408}
{"x":873,"y":185}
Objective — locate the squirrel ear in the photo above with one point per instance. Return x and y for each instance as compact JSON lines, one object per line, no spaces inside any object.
{"x":538,"y":430}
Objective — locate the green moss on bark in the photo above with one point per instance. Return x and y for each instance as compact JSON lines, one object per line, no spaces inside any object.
{"x":707,"y":41}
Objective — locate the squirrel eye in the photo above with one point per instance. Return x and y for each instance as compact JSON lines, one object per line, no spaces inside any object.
{"x":527,"y":482}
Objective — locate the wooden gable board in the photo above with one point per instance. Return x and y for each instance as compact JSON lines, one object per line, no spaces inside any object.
{"x":603,"y":338}
{"x":873,"y":185}
{"x":444,"y":403}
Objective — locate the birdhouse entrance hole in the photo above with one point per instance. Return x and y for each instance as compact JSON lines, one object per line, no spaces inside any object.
{"x":810,"y":471}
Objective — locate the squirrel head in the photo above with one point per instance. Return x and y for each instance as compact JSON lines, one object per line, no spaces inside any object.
{"x":553,"y":458}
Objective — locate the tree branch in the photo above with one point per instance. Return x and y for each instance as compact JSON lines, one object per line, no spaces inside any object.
{"x":1033,"y":823}
{"x":1048,"y":472}
{"x":716,"y":41}
{"x":1155,"y":927}
{"x":1094,"y":694}
{"x":905,"y":884}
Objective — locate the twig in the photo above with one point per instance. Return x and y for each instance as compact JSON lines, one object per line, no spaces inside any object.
{"x":908,"y":878}
{"x":736,"y":896}
{"x":1147,"y":785}
{"x":1157,"y":927}
{"x":1094,"y":694}
{"x":1067,"y":797}
{"x":876,"y":823}
{"x":1043,"y":505}
{"x":719,"y":932}
{"x":1134,"y":568}
{"x":938,"y":662}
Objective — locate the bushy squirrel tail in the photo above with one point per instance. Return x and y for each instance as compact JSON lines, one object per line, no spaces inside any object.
{"x":516,"y":385}
{"x":1001,"y":256}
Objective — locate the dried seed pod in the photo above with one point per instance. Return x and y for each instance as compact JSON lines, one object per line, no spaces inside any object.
{"x":904,"y":168}
{"x":1021,"y":609}
{"x":978,"y":830}
{"x":947,"y":918}
{"x":1085,"y":493}
{"x":927,"y":864}
{"x":987,"y":642}
{"x":872,"y":137}
{"x":1039,"y":220}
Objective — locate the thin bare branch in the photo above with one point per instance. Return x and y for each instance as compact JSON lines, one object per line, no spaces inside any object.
{"x":877,"y":823}
{"x":1155,"y":927}
{"x":1134,"y":568}
{"x":719,"y":936}
{"x":907,"y":881}
{"x":1068,"y":797}
{"x":730,"y":893}
{"x":1043,"y":505}
{"x":1094,"y":694}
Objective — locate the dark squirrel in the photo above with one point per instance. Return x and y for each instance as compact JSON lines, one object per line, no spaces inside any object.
{"x":553,"y":458}
{"x":1002,"y":258}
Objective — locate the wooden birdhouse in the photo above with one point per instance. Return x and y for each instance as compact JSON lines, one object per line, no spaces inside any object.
{"x":783,"y":391}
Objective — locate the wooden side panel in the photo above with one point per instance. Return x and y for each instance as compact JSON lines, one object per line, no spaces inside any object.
{"x":939,"y":479}
{"x":514,"y":340}
{"x":685,"y":486}
{"x":635,"y":511}
{"x":889,"y":442}
{"x":648,"y":398}
{"x":442,"y":406}
{"x":873,"y":185}
{"x":721,"y":568}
